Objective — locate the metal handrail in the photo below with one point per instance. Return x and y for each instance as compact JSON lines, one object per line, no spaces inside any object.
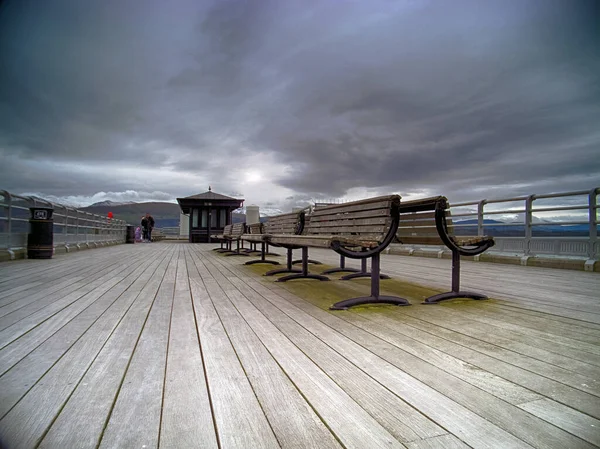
{"x":482,"y":209}
{"x":72,"y":228}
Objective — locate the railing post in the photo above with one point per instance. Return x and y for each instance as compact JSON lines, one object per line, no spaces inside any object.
{"x":480,"y":227}
{"x":66,"y":229}
{"x":593,"y":210}
{"x":528,"y":221}
{"x":9,"y":237}
{"x":9,"y":225}
{"x":77,"y":228}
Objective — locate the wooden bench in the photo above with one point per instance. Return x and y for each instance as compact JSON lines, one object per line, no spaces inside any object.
{"x":222,"y":238}
{"x":428,"y":222}
{"x":284,"y":224}
{"x":237,"y":230}
{"x":254,"y":235}
{"x":358,"y":230}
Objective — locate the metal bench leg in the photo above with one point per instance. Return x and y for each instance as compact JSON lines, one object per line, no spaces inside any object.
{"x":362,"y":273}
{"x":262,"y":257}
{"x":375,"y":297}
{"x":222,"y":249}
{"x":288,"y":269}
{"x":314,"y":262}
{"x":304,"y":274}
{"x":227,"y":248}
{"x":252,"y":249}
{"x":342,"y":268}
{"x":237,"y":251}
{"x":269,"y":253}
{"x":456,"y":292}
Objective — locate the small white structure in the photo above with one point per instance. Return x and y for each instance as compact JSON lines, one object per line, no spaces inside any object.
{"x":252,"y":215}
{"x":184,"y":225}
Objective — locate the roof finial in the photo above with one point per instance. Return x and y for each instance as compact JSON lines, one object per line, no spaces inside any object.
{"x":209,"y":189}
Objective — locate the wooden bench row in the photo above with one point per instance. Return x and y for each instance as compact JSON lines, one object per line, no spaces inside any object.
{"x":360,"y":230}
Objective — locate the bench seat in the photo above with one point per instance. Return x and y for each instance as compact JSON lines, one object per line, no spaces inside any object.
{"x":322,"y":241}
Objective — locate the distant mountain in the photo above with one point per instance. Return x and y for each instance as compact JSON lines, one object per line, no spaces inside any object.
{"x":111,"y":203}
{"x":500,"y":229}
{"x":165,"y":214}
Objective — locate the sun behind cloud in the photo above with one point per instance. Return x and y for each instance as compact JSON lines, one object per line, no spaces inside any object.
{"x":253,"y":176}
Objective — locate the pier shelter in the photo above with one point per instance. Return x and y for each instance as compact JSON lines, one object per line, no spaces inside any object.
{"x":209,"y":213}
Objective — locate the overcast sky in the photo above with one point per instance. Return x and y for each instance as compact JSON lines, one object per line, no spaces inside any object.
{"x":283,"y":101}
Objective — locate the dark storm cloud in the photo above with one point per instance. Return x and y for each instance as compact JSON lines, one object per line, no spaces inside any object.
{"x":414,"y":96}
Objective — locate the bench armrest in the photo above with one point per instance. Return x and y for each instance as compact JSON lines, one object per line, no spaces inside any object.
{"x":442,"y":229}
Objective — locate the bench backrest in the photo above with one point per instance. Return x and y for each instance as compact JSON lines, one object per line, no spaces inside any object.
{"x":227,"y":230}
{"x":369,"y":219}
{"x":291,"y":223}
{"x":255,"y":228}
{"x":238,"y":229}
{"x":417,"y":221}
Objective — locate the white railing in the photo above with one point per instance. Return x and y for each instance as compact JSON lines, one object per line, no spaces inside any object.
{"x":559,"y":224}
{"x":72,"y":228}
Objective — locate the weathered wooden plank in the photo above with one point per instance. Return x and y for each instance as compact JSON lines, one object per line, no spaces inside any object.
{"x":581,"y":350}
{"x":473,"y":374}
{"x":21,"y":271}
{"x":239,"y":419}
{"x":62,"y":284}
{"x":345,"y":221}
{"x":548,"y":379}
{"x":444,"y":441}
{"x":186,"y":414}
{"x":135,"y":418}
{"x":540,"y":349}
{"x":368,"y":214}
{"x":547,"y":323}
{"x":294,"y":422}
{"x":451,"y":415}
{"x":81,"y":421}
{"x":86,"y":284}
{"x":566,"y":418}
{"x":22,"y":376}
{"x":324,"y":241}
{"x":354,"y":426}
{"x":497,"y":365}
{"x":27,"y":334}
{"x":357,"y":206}
{"x":402,"y":421}
{"x":26,"y":423}
{"x":508,"y":424}
{"x":347,"y":230}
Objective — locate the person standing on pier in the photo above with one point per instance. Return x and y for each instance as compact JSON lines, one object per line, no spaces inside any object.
{"x":144,"y":224}
{"x":148,"y":225}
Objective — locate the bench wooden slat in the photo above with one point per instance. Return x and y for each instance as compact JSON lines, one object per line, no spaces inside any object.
{"x":352,"y":207}
{"x":323,"y":241}
{"x":349,"y":229}
{"x":255,"y":238}
{"x":255,"y":228}
{"x":371,"y":213}
{"x":347,"y":222}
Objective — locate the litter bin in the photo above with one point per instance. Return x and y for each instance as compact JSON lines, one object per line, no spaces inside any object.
{"x":130,"y":238}
{"x":41,"y":237}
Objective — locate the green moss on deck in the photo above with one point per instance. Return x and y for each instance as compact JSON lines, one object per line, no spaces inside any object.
{"x":324,"y":294}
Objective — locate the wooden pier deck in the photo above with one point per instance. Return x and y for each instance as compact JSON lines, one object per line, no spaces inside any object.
{"x":172,"y":345}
